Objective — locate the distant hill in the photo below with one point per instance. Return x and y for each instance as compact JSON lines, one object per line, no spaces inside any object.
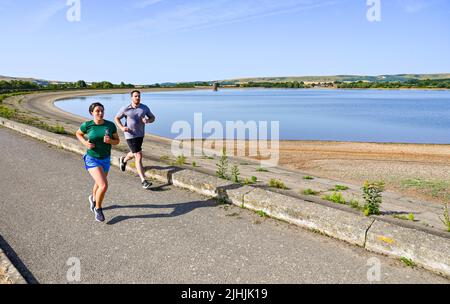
{"x":342,"y":78}
{"x":306,"y":79}
{"x":38,"y":81}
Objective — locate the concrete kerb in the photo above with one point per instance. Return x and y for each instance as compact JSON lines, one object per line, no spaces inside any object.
{"x":332,"y":222}
{"x":11,"y":274}
{"x":426,"y":249}
{"x":430,"y":251}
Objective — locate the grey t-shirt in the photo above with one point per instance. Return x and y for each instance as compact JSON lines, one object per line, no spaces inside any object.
{"x":134,"y":119}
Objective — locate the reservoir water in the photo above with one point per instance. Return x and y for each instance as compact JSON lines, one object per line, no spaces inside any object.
{"x":407,"y":116}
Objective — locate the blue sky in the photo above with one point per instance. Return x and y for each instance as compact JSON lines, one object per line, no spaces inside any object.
{"x":149,"y":41}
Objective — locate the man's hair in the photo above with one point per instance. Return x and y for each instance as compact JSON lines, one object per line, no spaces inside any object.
{"x":95,"y":104}
{"x":135,"y":91}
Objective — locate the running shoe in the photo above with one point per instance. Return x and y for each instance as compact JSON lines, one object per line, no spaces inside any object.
{"x":122,"y":164}
{"x":146,"y":184}
{"x":99,"y":217}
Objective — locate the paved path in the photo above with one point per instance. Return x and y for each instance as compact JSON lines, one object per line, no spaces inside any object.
{"x":166,"y":235}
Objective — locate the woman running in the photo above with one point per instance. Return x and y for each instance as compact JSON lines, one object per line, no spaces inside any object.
{"x":101,"y":135}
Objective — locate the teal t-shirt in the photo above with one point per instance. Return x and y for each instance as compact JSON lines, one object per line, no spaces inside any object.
{"x":95,"y":134}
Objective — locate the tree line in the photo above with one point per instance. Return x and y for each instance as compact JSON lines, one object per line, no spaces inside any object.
{"x":24,"y":86}
{"x":287,"y":85}
{"x":410,"y":84}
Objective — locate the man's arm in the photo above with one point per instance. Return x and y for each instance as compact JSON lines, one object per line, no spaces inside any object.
{"x":150,"y":118}
{"x":120,"y":125}
{"x":117,"y":120}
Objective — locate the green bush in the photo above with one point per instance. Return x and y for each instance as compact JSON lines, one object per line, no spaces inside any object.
{"x":254,"y":179}
{"x":222,"y":166}
{"x":7,"y":112}
{"x":235,"y":173}
{"x":308,"y":177}
{"x":372,"y":195}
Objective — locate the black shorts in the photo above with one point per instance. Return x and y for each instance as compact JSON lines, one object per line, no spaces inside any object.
{"x":135,"y":144}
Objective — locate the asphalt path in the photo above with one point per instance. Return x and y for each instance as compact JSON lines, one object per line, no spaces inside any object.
{"x":162,"y":235}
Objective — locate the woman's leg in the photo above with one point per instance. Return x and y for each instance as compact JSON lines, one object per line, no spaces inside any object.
{"x":94,"y":190}
{"x":101,"y":185}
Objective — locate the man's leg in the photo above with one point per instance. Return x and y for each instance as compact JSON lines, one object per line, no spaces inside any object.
{"x":139,"y":166}
{"x":129,"y":156}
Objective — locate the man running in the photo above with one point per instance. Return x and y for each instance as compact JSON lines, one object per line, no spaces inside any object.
{"x":137,"y":115}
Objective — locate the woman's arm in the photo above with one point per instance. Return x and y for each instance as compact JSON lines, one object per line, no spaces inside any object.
{"x":80,"y":136}
{"x":115,"y":140}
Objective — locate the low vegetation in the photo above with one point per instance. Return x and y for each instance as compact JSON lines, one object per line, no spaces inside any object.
{"x":310,"y":192}
{"x":336,"y":197}
{"x":222,"y":166}
{"x":275,"y":183}
{"x":446,"y":217}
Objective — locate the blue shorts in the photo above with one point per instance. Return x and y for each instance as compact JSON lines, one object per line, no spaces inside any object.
{"x":92,"y":162}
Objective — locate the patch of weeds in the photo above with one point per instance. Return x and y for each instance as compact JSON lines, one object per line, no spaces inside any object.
{"x":436,"y":188}
{"x":339,"y":188}
{"x":235,"y":174}
{"x":275,"y":183}
{"x":310,"y":192}
{"x":355,"y":205}
{"x":307,"y":177}
{"x":247,"y":181}
{"x":261,"y":213}
{"x":372,"y":195}
{"x":400,"y":217}
{"x":408,"y":262}
{"x":58,"y":129}
{"x":222,"y":166}
{"x":254,"y":179}
{"x":194,"y":164}
{"x":411,"y":217}
{"x":336,"y":197}
{"x":181,"y":160}
{"x":261,"y":169}
{"x":317,"y":231}
{"x":7,"y":112}
{"x":446,"y":218}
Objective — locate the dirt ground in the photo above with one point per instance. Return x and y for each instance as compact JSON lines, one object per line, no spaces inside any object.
{"x":417,"y":170}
